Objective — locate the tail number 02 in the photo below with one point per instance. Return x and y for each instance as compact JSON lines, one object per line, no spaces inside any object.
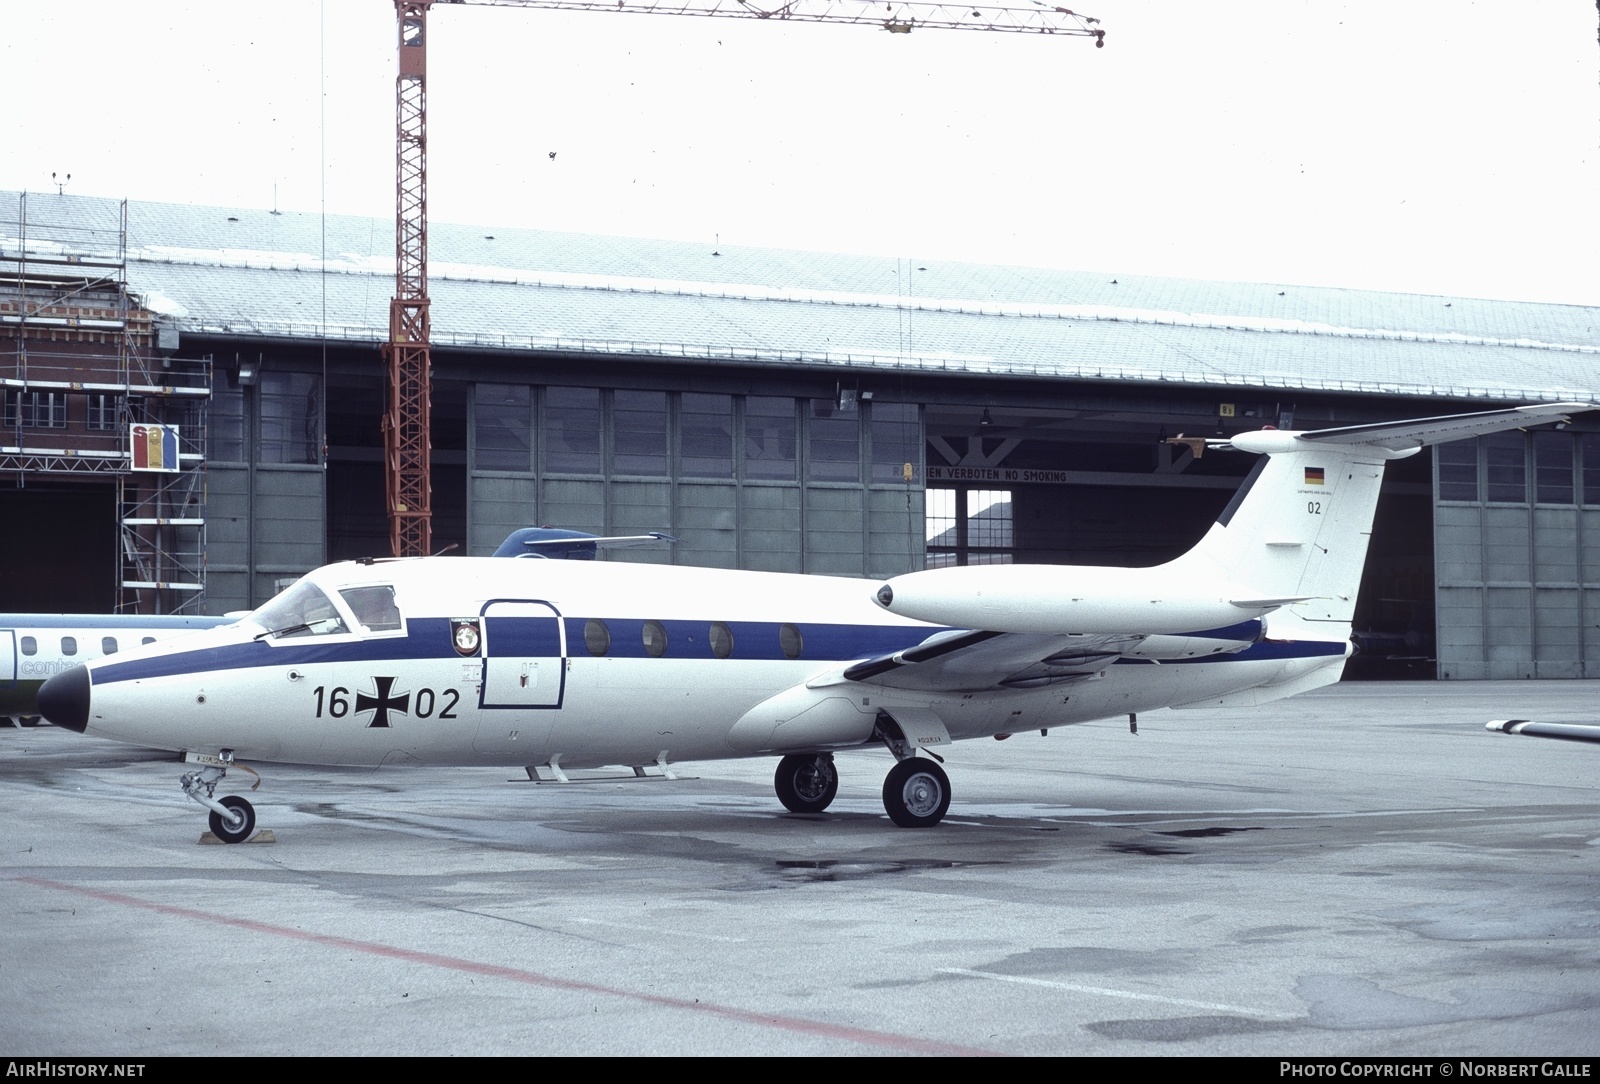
{"x":337,"y":702}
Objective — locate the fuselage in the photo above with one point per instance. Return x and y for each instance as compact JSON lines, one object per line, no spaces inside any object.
{"x":483,"y":661}
{"x":36,"y":647}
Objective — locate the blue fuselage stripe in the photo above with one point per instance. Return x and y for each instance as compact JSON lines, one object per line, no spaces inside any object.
{"x":430,"y":638}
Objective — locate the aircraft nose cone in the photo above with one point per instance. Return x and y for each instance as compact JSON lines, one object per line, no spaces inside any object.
{"x":64,"y":699}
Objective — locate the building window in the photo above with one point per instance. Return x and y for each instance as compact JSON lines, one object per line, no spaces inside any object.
{"x":572,"y":430}
{"x":35,"y":409}
{"x":225,"y":425}
{"x":896,"y":443}
{"x":1458,"y":470}
{"x":103,"y":412}
{"x":503,"y":427}
{"x":769,"y":439}
{"x":639,"y":425}
{"x":834,"y":453}
{"x":705,"y":445}
{"x":290,"y":418}
{"x":1552,"y":467}
{"x":969,"y":527}
{"x":1589,"y":447}
{"x":1506,"y":455}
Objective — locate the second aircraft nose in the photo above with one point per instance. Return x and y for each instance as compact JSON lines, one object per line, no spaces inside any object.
{"x":64,"y":699}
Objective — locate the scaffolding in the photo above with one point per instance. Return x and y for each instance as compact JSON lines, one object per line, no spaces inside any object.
{"x":90,"y":387}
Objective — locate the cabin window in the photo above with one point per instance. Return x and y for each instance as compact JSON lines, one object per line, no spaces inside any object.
{"x":148,"y":640}
{"x":69,"y":645}
{"x":29,"y":645}
{"x":596,"y":637}
{"x":302,"y":610}
{"x":721,"y":640}
{"x":791,"y":641}
{"x":655,"y":639}
{"x":374,"y":607}
{"x":108,"y":645}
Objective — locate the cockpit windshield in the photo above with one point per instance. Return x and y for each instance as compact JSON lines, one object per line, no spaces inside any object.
{"x":373,"y":606}
{"x":302,"y":610}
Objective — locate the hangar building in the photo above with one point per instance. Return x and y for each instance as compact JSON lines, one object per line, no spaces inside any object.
{"x":782,"y":410}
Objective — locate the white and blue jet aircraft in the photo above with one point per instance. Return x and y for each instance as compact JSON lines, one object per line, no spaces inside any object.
{"x":553,"y":665}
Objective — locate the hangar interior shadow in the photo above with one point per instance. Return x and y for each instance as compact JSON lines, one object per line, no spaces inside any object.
{"x":58,"y":547}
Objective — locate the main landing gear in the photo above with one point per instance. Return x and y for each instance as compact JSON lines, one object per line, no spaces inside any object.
{"x":233,"y":819}
{"x":916,"y":793}
{"x":806,"y":783}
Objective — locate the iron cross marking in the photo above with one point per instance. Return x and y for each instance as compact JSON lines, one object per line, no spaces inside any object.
{"x":381,"y":704}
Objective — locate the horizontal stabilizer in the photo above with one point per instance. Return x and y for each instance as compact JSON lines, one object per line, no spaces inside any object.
{"x":1559,"y":731}
{"x":1419,"y":432}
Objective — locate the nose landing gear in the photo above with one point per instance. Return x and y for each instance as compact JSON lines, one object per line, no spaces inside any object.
{"x":233,"y":818}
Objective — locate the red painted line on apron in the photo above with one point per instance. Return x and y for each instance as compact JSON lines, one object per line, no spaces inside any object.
{"x":908,"y":1044}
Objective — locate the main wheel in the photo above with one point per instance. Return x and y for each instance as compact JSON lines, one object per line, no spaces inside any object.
{"x":806,"y":783}
{"x":916,"y":793}
{"x":240,"y":831}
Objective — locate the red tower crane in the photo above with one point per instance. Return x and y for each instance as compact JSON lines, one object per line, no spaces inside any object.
{"x":407,"y":449}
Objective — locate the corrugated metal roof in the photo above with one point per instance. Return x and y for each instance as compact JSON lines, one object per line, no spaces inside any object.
{"x":252,"y":272}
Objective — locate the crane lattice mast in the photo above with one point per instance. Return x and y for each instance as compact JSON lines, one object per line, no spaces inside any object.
{"x":407,"y":447}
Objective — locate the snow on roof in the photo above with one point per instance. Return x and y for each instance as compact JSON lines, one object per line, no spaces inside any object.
{"x":261,"y":273}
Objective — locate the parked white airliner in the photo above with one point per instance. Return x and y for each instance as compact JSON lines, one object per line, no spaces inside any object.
{"x":555,"y":664}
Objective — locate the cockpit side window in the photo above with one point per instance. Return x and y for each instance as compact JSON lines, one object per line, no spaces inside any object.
{"x":374,"y":607}
{"x":302,"y":610}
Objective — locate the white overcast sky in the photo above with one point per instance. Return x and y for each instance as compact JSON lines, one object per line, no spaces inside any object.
{"x":1430,"y":146}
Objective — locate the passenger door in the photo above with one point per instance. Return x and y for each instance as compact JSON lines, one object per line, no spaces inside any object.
{"x":524,"y":655}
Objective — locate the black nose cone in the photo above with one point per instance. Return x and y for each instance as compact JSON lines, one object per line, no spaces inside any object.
{"x":64,"y":699}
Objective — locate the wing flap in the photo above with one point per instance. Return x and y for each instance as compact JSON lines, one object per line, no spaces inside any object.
{"x":970,"y":661}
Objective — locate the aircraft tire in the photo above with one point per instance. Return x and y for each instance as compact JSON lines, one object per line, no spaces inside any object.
{"x":245,"y":829}
{"x":806,"y":783}
{"x":916,"y":793}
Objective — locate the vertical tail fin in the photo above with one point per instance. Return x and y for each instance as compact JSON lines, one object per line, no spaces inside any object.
{"x":1298,"y":528}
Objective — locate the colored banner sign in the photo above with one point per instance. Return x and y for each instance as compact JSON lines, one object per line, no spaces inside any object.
{"x":154,"y":447}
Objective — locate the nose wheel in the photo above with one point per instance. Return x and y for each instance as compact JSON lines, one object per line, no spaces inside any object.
{"x":233,"y":819}
{"x":242,"y":824}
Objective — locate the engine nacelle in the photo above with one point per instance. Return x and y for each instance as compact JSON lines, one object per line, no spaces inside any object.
{"x":1228,"y":641}
{"x":1057,"y":599}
